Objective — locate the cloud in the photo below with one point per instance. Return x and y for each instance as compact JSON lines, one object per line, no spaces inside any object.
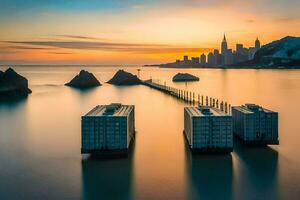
{"x":29,"y":48}
{"x":288,"y":19}
{"x":82,"y":44}
{"x":60,"y":53}
{"x":79,"y":37}
{"x":250,"y":21}
{"x":7,"y":51}
{"x":103,"y":46}
{"x":173,"y":50}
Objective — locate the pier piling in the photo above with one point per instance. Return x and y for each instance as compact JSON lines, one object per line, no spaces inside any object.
{"x":189,"y":96}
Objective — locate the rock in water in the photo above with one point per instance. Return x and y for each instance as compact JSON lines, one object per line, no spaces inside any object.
{"x":13,"y":85}
{"x":124,"y":78}
{"x":183,"y":77}
{"x":84,"y":79}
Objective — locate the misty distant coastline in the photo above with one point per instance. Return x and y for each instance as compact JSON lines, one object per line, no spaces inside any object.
{"x":238,"y":66}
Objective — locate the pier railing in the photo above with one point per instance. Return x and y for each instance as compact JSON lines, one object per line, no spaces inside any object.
{"x":190,"y":97}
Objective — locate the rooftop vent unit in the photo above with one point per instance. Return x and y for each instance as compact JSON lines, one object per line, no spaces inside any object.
{"x":205,"y":110}
{"x":252,"y":107}
{"x":112,"y":108}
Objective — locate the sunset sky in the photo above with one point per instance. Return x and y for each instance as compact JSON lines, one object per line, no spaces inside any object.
{"x":135,"y":32}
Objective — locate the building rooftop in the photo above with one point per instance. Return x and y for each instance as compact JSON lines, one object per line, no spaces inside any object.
{"x":250,"y":108}
{"x":114,"y":109}
{"x":204,"y":111}
{"x":242,"y":109}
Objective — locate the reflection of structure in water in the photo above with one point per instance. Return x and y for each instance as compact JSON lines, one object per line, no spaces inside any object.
{"x":104,"y":177}
{"x":257,"y":173}
{"x":209,"y":176}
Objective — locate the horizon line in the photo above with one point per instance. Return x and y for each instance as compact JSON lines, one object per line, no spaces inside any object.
{"x":8,"y":65}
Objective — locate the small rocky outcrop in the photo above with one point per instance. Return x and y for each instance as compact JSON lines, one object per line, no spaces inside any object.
{"x":84,"y":79}
{"x":13,"y":85}
{"x":124,"y":78}
{"x":184,"y":77}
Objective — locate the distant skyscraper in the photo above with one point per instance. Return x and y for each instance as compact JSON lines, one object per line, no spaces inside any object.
{"x":253,"y":50}
{"x":195,"y":60}
{"x":218,"y":58}
{"x":224,"y":51}
{"x":185,"y":58}
{"x":239,"y":48}
{"x":216,"y":51}
{"x":228,"y":58}
{"x":241,"y":54}
{"x":224,"y":46}
{"x":211,"y":59}
{"x":203,"y":59}
{"x":257,"y":43}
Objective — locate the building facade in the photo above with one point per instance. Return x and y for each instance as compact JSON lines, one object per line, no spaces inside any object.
{"x":195,"y":60}
{"x":203,"y":59}
{"x":107,"y":128}
{"x":185,"y":58}
{"x":208,"y":129}
{"x":257,"y":44}
{"x":218,"y":57}
{"x":211,"y":59}
{"x":255,"y":124}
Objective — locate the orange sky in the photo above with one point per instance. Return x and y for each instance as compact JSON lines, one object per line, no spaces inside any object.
{"x":115,"y":33}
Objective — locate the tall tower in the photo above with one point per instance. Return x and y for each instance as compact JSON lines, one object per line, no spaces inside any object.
{"x":224,"y":46}
{"x":203,"y":59}
{"x":257,"y":43}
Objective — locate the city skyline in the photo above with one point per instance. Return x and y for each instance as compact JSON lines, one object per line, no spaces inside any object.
{"x":222,"y":56}
{"x":135,"y":32}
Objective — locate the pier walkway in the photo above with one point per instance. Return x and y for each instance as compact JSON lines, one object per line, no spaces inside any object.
{"x":190,"y":97}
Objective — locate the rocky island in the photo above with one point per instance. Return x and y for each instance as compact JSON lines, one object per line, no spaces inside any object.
{"x":124,"y":78}
{"x":184,"y":77}
{"x":13,"y":85}
{"x":84,"y":79}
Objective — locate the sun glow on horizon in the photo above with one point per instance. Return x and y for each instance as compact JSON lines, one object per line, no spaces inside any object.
{"x":145,"y":33}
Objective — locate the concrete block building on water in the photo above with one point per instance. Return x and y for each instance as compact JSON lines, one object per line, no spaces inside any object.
{"x":207,"y":129}
{"x":108,"y":128}
{"x":255,"y":125}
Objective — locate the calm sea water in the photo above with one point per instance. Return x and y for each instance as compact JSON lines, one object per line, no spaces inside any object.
{"x":40,"y":140}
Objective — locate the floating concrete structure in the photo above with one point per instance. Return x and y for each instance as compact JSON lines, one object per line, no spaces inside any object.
{"x":208,"y":129}
{"x":108,"y":128}
{"x":254,"y":124}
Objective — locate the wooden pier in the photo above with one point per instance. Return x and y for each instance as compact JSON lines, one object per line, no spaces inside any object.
{"x":190,"y":97}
